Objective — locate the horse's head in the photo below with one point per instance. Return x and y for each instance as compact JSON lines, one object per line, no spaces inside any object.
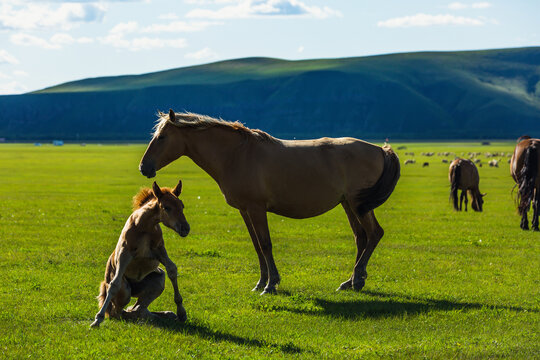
{"x":171,"y":208}
{"x":165,"y":146}
{"x":478,"y":202}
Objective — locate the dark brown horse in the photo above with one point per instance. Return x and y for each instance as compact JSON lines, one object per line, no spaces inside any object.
{"x":524,"y":167}
{"x":258,"y":173}
{"x":463,"y":175}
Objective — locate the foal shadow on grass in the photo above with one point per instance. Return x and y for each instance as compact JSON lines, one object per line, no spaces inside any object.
{"x":195,"y":328}
{"x":383,"y":305}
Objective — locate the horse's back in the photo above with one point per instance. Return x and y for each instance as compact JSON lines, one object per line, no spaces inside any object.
{"x":305,"y":178}
{"x":468,"y":177}
{"x":518,"y":158}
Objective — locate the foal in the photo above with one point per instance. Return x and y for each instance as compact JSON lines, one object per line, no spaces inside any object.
{"x":133,"y":267}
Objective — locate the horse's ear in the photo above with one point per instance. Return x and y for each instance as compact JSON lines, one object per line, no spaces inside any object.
{"x":172,"y":116}
{"x":178,"y":189}
{"x":157,"y":191}
{"x":484,"y":194}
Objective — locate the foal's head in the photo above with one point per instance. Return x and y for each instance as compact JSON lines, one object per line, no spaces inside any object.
{"x":171,"y":208}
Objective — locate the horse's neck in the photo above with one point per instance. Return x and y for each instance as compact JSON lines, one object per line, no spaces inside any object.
{"x":213,"y":149}
{"x":146,"y":218}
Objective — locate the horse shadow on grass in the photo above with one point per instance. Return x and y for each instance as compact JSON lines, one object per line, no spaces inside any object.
{"x":384,"y":305}
{"x":195,"y":328}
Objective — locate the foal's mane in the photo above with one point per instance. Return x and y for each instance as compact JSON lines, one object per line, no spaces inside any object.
{"x":145,"y":195}
{"x":197,"y":121}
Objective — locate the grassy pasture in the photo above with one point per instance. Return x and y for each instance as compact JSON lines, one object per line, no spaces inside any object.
{"x":441,"y":284}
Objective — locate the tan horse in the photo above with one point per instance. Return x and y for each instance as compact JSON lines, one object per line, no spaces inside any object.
{"x":133,"y":267}
{"x":463,"y":175}
{"x":524,"y":167}
{"x":258,"y":173}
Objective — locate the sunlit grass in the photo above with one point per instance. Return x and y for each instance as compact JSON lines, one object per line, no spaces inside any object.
{"x":441,"y":284}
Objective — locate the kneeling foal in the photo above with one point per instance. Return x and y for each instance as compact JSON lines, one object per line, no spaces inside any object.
{"x":133,"y":267}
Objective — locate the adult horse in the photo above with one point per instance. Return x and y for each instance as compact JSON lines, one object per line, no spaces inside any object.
{"x":524,"y":169}
{"x":463,"y":175}
{"x":258,"y":173}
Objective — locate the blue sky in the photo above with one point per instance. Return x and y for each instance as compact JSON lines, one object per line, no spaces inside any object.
{"x":46,"y":42}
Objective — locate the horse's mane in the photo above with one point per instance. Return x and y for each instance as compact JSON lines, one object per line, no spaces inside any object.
{"x":144,"y":196}
{"x":197,"y":121}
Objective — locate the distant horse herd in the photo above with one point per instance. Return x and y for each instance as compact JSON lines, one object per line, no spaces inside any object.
{"x":258,"y":173}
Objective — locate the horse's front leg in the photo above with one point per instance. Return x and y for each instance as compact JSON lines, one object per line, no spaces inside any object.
{"x":172,"y":273}
{"x":535,"y":204}
{"x":263,"y":279}
{"x":123,"y":260}
{"x":257,"y":217}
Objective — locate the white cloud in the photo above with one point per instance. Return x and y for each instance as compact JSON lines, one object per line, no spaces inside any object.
{"x":168,"y":17}
{"x":300,"y":49}
{"x":180,"y":26}
{"x":461,"y":6}
{"x":7,"y":58}
{"x":20,"y":73}
{"x":32,"y":16}
{"x":205,"y":53}
{"x":12,"y":87}
{"x":429,"y":20}
{"x":141,"y":43}
{"x":31,"y":40}
{"x":4,"y":76}
{"x":55,"y":42}
{"x":124,"y":28}
{"x":244,"y":9}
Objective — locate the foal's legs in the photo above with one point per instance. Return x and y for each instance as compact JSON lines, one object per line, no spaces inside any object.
{"x":360,"y":238}
{"x":123,"y":260}
{"x":524,"y":221}
{"x":374,"y":233}
{"x":146,"y":291}
{"x":262,"y":262}
{"x":172,"y":273}
{"x":258,"y":220}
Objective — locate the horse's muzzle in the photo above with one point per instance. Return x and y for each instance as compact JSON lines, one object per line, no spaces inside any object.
{"x":182,"y":229}
{"x":147,"y":170}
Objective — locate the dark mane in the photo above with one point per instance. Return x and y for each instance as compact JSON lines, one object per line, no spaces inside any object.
{"x":197,"y":121}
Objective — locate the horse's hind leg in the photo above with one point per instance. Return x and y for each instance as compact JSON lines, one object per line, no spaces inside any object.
{"x":146,"y":291}
{"x":461,"y":196}
{"x":374,"y":234}
{"x":262,"y":262}
{"x":535,"y":204}
{"x":360,"y":238}
{"x":464,"y":194}
{"x":258,"y":220}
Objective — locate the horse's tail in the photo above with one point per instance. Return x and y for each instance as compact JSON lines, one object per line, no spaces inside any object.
{"x":527,"y":178}
{"x":370,"y":198}
{"x":455,"y":179}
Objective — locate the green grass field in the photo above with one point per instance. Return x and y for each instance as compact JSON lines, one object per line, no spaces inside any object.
{"x":441,"y":284}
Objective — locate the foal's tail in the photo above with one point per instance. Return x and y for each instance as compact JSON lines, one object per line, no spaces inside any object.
{"x":455,"y":179}
{"x":527,"y":178}
{"x":375,"y":196}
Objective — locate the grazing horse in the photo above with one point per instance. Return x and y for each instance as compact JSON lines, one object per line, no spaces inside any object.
{"x":133,"y":267}
{"x":463,"y":175}
{"x":258,"y":173}
{"x":524,"y":167}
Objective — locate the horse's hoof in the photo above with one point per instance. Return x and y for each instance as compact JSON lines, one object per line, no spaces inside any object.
{"x":345,"y":286}
{"x":536,"y":228}
{"x":258,"y":287}
{"x":358,"y":285}
{"x":95,"y":324}
{"x":271,"y":291}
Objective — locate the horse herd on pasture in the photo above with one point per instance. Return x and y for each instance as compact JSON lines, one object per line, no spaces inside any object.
{"x":258,"y":173}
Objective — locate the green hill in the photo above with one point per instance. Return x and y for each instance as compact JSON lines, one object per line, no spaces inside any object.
{"x":474,"y":94}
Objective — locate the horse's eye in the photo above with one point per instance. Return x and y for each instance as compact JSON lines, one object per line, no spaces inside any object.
{"x":166,"y":208}
{"x":161,"y":137}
